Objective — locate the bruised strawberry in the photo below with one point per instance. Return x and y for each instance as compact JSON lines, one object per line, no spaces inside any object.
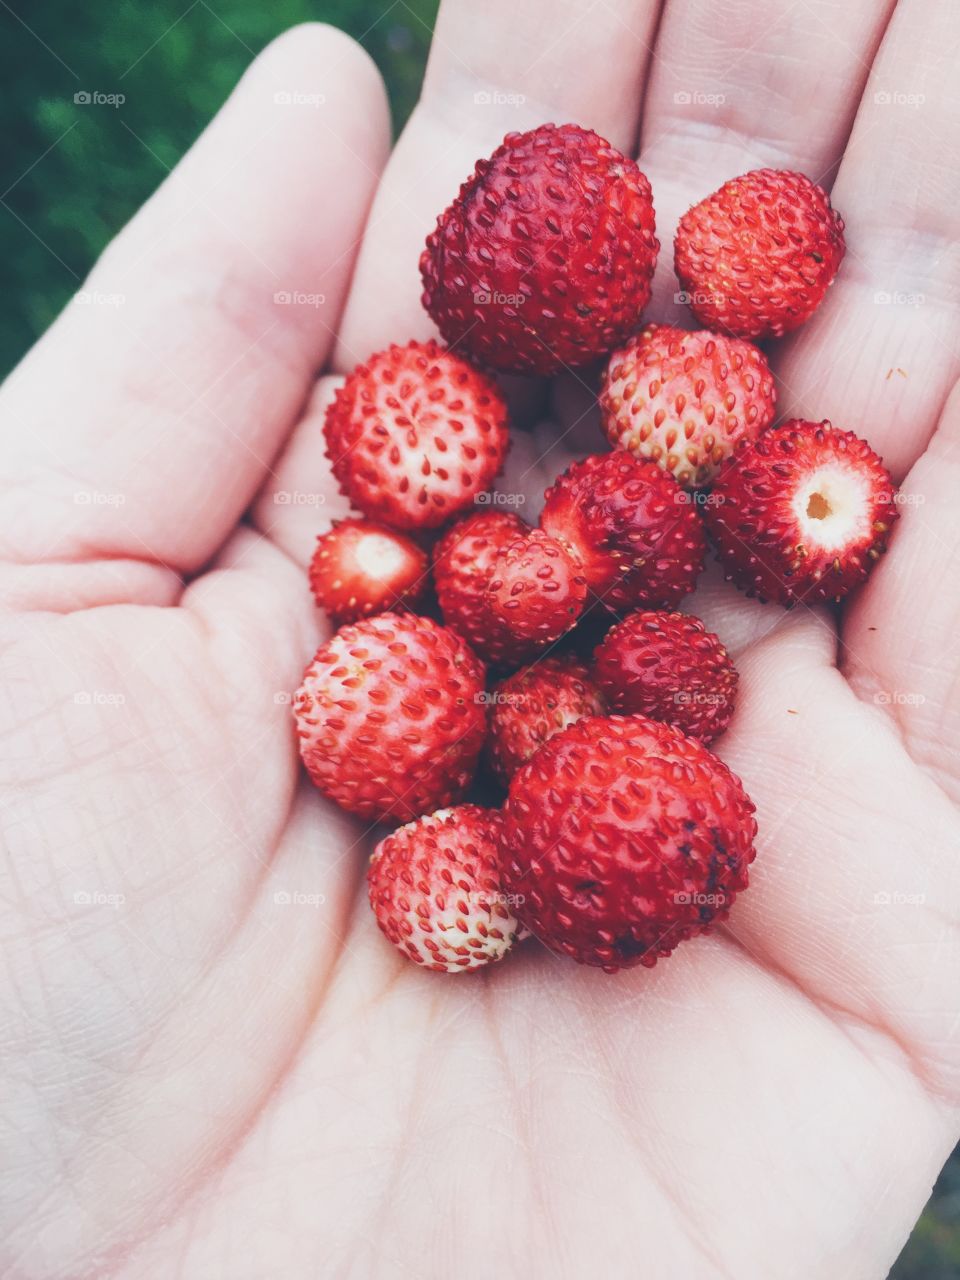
{"x":636,"y":535}
{"x":624,"y":838}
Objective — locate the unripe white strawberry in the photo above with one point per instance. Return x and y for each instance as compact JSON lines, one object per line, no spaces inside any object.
{"x":435,"y":889}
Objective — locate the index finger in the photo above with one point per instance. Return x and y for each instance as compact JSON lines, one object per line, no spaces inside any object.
{"x":142,"y":424}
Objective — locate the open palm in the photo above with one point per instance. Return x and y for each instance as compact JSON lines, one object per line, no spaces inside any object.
{"x":215,"y":1065}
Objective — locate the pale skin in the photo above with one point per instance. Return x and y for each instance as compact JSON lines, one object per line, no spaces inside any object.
{"x":203,"y":1080}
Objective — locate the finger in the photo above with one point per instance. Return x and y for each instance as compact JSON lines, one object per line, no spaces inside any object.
{"x":173,"y":404}
{"x":900,"y":649}
{"x":743,"y":623}
{"x":881,"y":354}
{"x":741,"y":86}
{"x":523,"y":65}
{"x":301,"y":497}
{"x":257,"y":602}
{"x":851,"y":895}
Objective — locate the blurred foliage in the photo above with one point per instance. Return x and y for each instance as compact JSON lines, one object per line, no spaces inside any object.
{"x":933,"y":1251}
{"x":71,"y":175}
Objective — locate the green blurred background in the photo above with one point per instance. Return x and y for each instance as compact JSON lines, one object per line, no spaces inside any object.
{"x":71,"y":177}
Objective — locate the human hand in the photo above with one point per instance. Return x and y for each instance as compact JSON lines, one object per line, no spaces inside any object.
{"x":215,"y":1064}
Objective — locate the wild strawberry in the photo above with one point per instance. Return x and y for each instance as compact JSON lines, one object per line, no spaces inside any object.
{"x":360,"y":568}
{"x":536,"y":589}
{"x":624,"y":838}
{"x":414,"y":434}
{"x":636,"y":534}
{"x":532,"y":705}
{"x":802,"y":513}
{"x":757,"y":256}
{"x":544,"y":259}
{"x":435,"y":889}
{"x":685,"y":400}
{"x":668,"y":666}
{"x":463,"y":563}
{"x":390,"y":716}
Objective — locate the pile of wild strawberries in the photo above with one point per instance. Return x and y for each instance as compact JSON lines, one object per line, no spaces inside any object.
{"x":621,"y":833}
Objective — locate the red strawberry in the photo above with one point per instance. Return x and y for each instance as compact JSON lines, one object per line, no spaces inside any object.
{"x":415,"y":434}
{"x":536,"y":589}
{"x":636,"y":534}
{"x":360,"y":568}
{"x":532,"y":705}
{"x":624,"y":838}
{"x":436,"y":892}
{"x":390,"y":716}
{"x":757,"y":256}
{"x":686,"y":400}
{"x":463,"y":563}
{"x":669,"y":667}
{"x":803,"y":513}
{"x":544,"y":259}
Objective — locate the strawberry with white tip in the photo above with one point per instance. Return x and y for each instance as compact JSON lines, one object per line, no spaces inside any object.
{"x":436,"y":890}
{"x":686,"y":400}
